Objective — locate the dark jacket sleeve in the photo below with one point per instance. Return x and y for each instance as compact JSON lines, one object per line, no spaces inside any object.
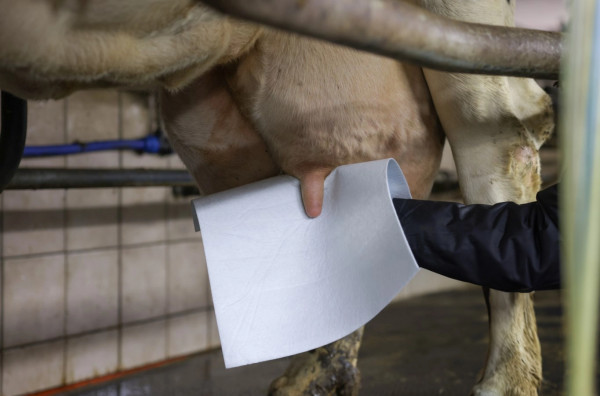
{"x":506,"y":246}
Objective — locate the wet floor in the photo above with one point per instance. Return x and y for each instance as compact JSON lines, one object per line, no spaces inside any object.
{"x":431,"y":345}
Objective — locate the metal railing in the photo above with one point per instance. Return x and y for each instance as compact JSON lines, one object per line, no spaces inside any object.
{"x":48,"y":178}
{"x":580,"y":194}
{"x":406,"y":32}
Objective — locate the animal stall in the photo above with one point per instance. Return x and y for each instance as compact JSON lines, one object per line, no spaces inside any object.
{"x":439,"y":42}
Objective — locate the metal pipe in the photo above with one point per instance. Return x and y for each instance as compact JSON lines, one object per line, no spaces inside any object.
{"x":580,"y":195}
{"x":409,"y":33}
{"x":33,"y":179}
{"x":12,"y":136}
{"x":51,"y":178}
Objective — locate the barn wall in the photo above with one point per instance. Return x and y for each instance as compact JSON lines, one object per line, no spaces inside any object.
{"x":96,"y":281}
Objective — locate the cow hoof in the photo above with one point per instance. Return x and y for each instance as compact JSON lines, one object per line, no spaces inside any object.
{"x":326,"y":371}
{"x":320,"y":372}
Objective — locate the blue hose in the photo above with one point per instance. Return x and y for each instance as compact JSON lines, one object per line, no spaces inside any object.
{"x":152,"y":144}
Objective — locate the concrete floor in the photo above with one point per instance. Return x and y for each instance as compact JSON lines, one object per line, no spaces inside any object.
{"x":431,"y":345}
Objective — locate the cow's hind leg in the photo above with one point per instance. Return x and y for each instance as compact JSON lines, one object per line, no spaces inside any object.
{"x":328,"y":370}
{"x":513,"y":341}
{"x":495,"y":126}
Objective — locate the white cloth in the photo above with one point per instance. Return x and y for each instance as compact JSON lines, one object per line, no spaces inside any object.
{"x":283,"y":283}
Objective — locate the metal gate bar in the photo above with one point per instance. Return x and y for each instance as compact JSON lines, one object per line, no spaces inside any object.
{"x":410,"y":33}
{"x":580,"y":194}
{"x":48,"y":178}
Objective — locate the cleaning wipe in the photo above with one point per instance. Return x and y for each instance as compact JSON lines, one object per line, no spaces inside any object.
{"x":283,"y":283}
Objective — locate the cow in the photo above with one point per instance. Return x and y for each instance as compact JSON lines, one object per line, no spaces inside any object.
{"x":241,"y":102}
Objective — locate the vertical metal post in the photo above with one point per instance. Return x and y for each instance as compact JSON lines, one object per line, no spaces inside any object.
{"x":580,"y":194}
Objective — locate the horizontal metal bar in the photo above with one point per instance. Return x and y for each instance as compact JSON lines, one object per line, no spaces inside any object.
{"x":33,"y":179}
{"x":409,"y":33}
